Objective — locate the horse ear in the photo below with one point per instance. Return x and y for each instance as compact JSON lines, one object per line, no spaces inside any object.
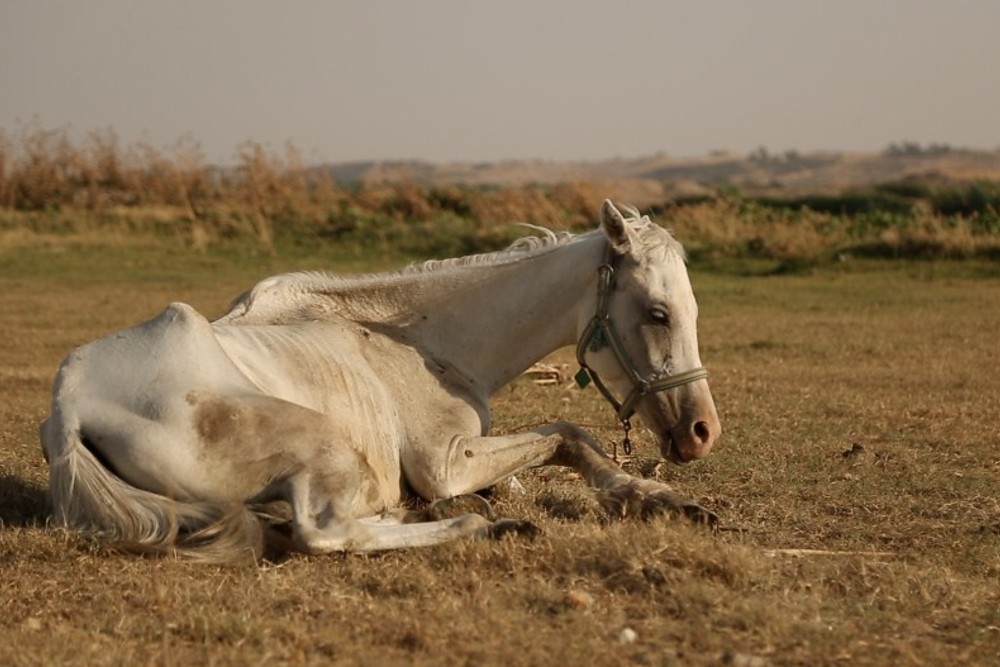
{"x":615,"y":228}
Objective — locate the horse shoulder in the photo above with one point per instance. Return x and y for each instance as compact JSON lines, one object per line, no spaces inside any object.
{"x":436,"y":402}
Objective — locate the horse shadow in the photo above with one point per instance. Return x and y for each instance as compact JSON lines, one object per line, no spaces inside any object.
{"x":22,"y":503}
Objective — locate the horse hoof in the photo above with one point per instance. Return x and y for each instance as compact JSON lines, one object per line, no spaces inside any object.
{"x":700,"y":515}
{"x":644,"y":500}
{"x":449,"y":508}
{"x":515,"y":527}
{"x":687,"y":509}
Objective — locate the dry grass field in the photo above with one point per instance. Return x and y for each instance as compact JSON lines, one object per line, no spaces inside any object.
{"x":858,"y":483}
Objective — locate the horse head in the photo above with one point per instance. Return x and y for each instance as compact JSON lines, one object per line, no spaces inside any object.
{"x":641,"y":341}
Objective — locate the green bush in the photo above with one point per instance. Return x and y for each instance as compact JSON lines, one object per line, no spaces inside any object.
{"x":982,"y":197}
{"x":848,"y":203}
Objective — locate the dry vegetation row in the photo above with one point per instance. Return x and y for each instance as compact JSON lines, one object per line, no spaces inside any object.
{"x":50,"y":183}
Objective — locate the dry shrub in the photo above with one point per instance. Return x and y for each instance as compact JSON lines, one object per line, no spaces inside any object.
{"x":42,"y":168}
{"x":530,"y":205}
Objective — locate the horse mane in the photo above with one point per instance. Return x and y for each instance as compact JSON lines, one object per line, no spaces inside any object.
{"x":288,"y":296}
{"x":291,"y":296}
{"x":522,"y":248}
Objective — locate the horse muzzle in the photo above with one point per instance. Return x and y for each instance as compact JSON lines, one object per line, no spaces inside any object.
{"x":684,"y":421}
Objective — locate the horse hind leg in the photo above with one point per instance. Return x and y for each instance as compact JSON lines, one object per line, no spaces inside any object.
{"x":322,"y":521}
{"x":329,"y":484}
{"x":352,"y":535}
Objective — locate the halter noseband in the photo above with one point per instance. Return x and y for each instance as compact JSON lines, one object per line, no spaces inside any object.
{"x":600,"y":333}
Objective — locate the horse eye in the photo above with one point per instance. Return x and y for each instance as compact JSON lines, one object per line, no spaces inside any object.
{"x":659,"y":315}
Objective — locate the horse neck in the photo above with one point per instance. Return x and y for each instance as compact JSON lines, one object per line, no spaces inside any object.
{"x":492,"y":322}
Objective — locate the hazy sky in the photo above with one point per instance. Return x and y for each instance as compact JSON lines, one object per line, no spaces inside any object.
{"x":469,"y":80}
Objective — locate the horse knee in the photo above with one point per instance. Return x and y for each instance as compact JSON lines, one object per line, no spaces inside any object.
{"x":440,"y":475}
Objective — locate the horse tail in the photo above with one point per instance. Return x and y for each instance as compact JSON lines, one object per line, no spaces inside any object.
{"x":90,"y":499}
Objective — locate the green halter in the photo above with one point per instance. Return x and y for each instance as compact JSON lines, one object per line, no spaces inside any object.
{"x":600,"y":333}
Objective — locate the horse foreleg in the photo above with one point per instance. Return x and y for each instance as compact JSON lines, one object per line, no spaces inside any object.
{"x":474,"y":463}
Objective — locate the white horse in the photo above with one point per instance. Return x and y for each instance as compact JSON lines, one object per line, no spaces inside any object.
{"x":344,"y":395}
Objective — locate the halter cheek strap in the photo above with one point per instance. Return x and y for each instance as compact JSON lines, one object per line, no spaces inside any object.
{"x":601,"y":333}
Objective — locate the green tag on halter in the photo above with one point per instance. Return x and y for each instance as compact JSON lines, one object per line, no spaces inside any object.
{"x":582,"y":378}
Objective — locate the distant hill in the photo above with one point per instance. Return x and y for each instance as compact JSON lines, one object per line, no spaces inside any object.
{"x":660,"y":177}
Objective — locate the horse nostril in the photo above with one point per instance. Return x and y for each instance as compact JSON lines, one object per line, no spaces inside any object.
{"x":701,"y":431}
